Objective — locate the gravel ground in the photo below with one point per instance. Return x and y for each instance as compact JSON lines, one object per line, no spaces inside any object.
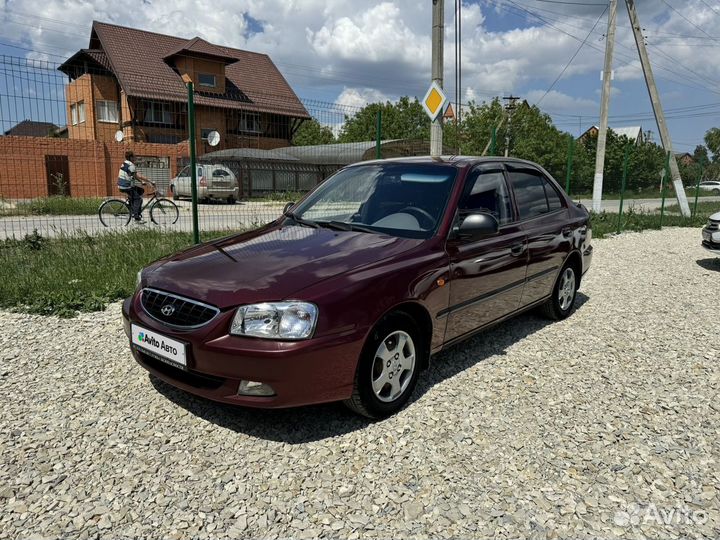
{"x":604,"y":425}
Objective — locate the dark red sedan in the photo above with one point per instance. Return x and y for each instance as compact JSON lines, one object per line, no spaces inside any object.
{"x":348,"y":295}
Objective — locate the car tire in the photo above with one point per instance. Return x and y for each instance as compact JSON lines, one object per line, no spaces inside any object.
{"x":716,"y":191}
{"x":388,"y":368}
{"x":562,"y":301}
{"x":231,"y":200}
{"x":174,"y":195}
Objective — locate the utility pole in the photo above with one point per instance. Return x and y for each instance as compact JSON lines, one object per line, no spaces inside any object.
{"x":604,"y":106}
{"x":438,"y":35}
{"x":657,"y":107}
{"x":510,"y":107}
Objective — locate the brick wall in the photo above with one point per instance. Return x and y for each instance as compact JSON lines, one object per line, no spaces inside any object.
{"x":92,"y":165}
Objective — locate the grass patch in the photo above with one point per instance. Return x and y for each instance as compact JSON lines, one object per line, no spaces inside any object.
{"x":646,"y":194}
{"x":62,"y":276}
{"x":56,"y":206}
{"x":606,"y":223}
{"x":280,"y":196}
{"x":706,"y":208}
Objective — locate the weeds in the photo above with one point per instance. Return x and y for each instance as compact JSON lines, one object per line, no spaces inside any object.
{"x":61,"y":276}
{"x":57,"y":206}
{"x":606,"y":223}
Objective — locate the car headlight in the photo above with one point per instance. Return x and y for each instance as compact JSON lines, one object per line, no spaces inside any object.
{"x":138,"y":280}
{"x":276,"y":320}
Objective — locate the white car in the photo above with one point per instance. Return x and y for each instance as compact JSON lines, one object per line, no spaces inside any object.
{"x":213,"y":182}
{"x":711,"y":234}
{"x":710,"y":185}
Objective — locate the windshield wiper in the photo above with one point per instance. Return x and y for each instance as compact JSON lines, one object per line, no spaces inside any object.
{"x":344,"y":226}
{"x":301,"y":221}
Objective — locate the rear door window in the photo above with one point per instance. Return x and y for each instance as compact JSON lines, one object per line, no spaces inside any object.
{"x":534,"y":193}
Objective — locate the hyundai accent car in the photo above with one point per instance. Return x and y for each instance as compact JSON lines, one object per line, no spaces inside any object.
{"x":348,"y":295}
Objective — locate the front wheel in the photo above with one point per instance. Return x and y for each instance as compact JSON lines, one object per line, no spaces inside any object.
{"x":561,"y":303}
{"x":114,"y":213}
{"x":388,"y":368}
{"x":716,"y":191}
{"x":164,"y":212}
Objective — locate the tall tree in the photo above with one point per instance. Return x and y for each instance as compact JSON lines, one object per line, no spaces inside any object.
{"x":700,"y":155}
{"x":405,"y":119}
{"x":712,"y":140}
{"x":312,"y":132}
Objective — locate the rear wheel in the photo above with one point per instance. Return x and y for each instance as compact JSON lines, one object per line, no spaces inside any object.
{"x":561,"y":303}
{"x":716,"y":191}
{"x":388,"y":368}
{"x":174,"y":193}
{"x":231,"y":200}
{"x":164,"y":212}
{"x":114,"y":213}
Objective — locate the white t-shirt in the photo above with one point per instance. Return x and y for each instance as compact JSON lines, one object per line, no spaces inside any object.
{"x":127,"y":174}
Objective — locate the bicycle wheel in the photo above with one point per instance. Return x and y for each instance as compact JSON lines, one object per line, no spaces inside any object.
{"x":114,"y":213}
{"x":164,"y":212}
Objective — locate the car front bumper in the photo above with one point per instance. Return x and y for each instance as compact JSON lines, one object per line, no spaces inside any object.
{"x":304,"y":372}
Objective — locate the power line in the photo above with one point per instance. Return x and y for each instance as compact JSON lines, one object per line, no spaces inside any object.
{"x":572,"y":57}
{"x":551,"y":25}
{"x":572,"y":3}
{"x":685,"y":18}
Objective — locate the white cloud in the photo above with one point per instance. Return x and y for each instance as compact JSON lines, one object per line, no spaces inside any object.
{"x":559,"y":102}
{"x":359,"y":97}
{"x":379,"y":49}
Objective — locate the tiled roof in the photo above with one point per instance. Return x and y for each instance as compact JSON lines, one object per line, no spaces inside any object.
{"x":30,"y":128}
{"x":199,"y":46}
{"x":137,"y":59}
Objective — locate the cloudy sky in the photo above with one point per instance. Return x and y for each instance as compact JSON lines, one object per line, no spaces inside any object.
{"x":355,"y":51}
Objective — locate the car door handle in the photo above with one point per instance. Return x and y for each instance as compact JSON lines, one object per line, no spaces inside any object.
{"x":517,"y":249}
{"x":567,"y":232}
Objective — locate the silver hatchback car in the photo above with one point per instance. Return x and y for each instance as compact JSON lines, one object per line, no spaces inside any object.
{"x":213,"y":182}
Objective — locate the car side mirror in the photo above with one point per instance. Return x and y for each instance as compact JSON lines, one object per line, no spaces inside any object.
{"x":288,"y":206}
{"x":477,"y":226}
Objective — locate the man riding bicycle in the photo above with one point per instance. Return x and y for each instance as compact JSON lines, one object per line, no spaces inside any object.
{"x":129,"y":181}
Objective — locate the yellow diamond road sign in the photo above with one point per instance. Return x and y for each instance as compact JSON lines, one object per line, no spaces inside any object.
{"x":434,"y":101}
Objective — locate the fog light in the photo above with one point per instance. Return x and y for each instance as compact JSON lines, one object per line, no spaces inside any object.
{"x":255,"y":388}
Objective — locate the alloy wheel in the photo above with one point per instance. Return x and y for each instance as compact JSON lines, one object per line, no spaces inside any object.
{"x":566,"y":290}
{"x":393,"y":366}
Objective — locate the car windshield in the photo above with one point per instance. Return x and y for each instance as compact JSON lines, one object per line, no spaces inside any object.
{"x":398,"y":199}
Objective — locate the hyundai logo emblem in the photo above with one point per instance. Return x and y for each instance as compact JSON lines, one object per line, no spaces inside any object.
{"x":167,"y":310}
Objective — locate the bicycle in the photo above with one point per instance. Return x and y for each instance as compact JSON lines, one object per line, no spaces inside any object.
{"x":116,"y":212}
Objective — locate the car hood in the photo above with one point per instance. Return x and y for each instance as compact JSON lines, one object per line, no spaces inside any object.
{"x":269,"y":264}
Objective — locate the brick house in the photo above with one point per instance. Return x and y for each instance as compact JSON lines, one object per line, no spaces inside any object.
{"x":685,"y":158}
{"x":132,"y":80}
{"x":634,"y":133}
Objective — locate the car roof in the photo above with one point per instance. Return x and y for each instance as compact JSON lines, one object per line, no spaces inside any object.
{"x":457,"y":161}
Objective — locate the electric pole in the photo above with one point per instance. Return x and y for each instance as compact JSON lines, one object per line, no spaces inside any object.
{"x":510,"y":108}
{"x":657,"y":108}
{"x":604,"y":106}
{"x":438,"y":35}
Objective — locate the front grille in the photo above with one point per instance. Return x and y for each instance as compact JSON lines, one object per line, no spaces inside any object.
{"x":713,"y":225}
{"x":178,"y":311}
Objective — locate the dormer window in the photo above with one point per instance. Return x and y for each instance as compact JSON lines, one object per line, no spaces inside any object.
{"x":206,"y":79}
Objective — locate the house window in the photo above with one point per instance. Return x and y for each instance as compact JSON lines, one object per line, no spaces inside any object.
{"x":77,"y":113}
{"x":107,"y":111}
{"x":249,"y":123}
{"x":158,"y":113}
{"x":206,"y":79}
